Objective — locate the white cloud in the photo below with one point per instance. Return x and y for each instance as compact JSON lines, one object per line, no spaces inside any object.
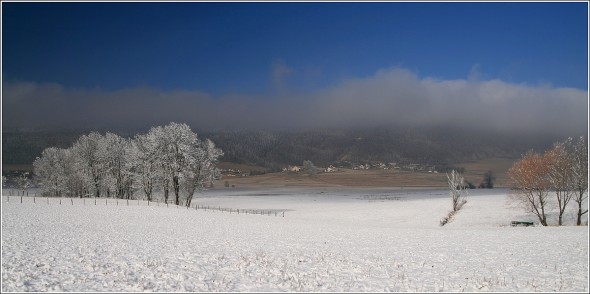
{"x":394,"y":96}
{"x":280,"y":71}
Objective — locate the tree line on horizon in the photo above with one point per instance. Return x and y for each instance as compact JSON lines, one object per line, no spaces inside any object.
{"x":271,"y":150}
{"x":169,"y":158}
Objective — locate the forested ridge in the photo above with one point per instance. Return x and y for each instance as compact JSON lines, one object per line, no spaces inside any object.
{"x":273,"y":149}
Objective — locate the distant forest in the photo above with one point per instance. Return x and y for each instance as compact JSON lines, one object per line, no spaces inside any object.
{"x":273,"y":150}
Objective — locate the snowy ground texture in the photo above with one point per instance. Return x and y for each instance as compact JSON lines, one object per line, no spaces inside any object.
{"x":329,"y":240}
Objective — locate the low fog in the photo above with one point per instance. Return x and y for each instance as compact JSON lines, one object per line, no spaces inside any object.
{"x":395,"y":97}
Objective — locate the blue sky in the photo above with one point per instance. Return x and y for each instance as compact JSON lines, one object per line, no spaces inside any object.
{"x":267,"y":50}
{"x":231,"y":47}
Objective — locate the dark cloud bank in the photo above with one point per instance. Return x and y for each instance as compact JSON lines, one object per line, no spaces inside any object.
{"x":395,"y":97}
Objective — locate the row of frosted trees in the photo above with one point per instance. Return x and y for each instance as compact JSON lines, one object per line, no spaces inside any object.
{"x":170,"y":159}
{"x":561,"y":171}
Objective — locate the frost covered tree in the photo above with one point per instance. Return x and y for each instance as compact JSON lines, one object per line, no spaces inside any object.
{"x":171,"y":156}
{"x":184,"y":161}
{"x":175,"y":144}
{"x":24,"y":182}
{"x":456,"y":189}
{"x":87,"y":151}
{"x":49,"y":169}
{"x":201,"y":168}
{"x":580,"y":176}
{"x":117,"y":166}
{"x":61,"y":173}
{"x":145,"y":156}
{"x":530,"y":183}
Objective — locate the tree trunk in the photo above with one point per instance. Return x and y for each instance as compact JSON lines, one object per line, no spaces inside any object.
{"x":580,"y":213}
{"x":579,"y":221}
{"x":166,"y":192}
{"x":148,"y":191}
{"x":97,"y":188}
{"x":543,"y":217}
{"x":176,"y":187}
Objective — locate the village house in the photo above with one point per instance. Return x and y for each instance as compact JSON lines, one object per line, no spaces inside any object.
{"x":330,"y":169}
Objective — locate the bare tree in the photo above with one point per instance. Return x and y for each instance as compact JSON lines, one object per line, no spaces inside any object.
{"x":580,"y":176}
{"x":456,"y":189}
{"x":529,"y":181}
{"x":488,"y":180}
{"x":309,"y":168}
{"x":560,"y":174}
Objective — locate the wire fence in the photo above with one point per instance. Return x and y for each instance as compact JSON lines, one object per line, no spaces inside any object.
{"x":103,"y":201}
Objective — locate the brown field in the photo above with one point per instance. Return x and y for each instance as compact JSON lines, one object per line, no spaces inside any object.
{"x":352,"y":178}
{"x":375,"y":178}
{"x":17,"y":167}
{"x":499,"y":166}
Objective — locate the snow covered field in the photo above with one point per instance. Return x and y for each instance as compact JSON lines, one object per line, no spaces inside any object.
{"x":329,"y":240}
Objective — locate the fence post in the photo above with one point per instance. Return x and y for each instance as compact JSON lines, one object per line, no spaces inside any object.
{"x":94,"y":200}
{"x":148,"y":202}
{"x":72,"y":200}
{"x":34,"y":199}
{"x":59,"y":201}
{"x":84,"y":201}
{"x":117,"y":202}
{"x":127,"y":201}
{"x":283,"y":214}
{"x":21,"y":199}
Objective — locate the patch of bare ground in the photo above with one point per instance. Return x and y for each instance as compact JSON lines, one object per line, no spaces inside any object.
{"x":474,"y":172}
{"x":343,"y":178}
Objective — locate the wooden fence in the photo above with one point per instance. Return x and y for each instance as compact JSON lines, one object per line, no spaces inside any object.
{"x":136,"y":202}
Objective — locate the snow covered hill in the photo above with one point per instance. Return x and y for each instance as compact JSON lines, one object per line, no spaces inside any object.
{"x":329,"y":240}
